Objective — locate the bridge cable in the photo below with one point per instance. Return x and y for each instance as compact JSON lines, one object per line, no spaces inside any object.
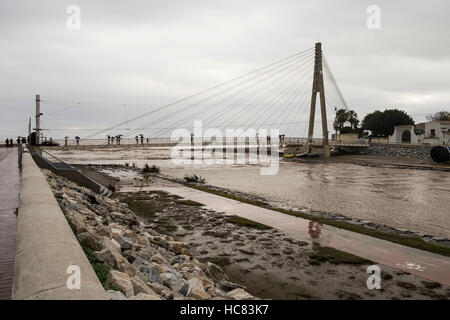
{"x":197,"y":94}
{"x":217,"y":104}
{"x":196,"y":103}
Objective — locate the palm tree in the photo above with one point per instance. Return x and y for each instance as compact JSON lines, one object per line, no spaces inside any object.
{"x":341,"y":118}
{"x":352,"y":117}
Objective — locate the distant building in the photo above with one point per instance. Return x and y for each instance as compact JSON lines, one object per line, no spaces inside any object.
{"x":431,"y":133}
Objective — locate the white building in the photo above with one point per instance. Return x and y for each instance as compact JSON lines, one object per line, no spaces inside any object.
{"x":435,"y":132}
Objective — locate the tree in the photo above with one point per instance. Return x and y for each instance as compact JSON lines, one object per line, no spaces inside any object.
{"x":352,"y":117}
{"x":440,"y":116}
{"x":382,"y":123}
{"x":340,"y":119}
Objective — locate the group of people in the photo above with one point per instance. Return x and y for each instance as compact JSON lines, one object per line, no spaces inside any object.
{"x":111,"y":139}
{"x":119,"y":137}
{"x":142,"y":139}
{"x":10,"y":143}
{"x":66,"y":139}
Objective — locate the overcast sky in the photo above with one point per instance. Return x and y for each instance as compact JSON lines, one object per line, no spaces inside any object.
{"x":148,"y":53}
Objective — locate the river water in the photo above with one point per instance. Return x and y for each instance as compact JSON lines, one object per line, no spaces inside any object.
{"x":417,"y":200}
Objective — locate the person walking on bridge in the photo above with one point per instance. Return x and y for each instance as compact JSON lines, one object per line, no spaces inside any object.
{"x":7,"y":142}
{"x":11,"y":142}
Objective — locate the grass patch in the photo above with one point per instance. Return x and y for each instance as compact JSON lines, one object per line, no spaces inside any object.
{"x":413,"y":242}
{"x":189,"y":202}
{"x":139,"y":202}
{"x":246,"y":223}
{"x":100,"y":269}
{"x":145,"y":195}
{"x":331,"y":255}
{"x":141,"y":208}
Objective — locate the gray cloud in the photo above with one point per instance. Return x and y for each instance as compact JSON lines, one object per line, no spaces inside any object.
{"x":146,"y":53}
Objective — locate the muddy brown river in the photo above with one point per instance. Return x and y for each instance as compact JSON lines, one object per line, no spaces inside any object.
{"x":417,"y":200}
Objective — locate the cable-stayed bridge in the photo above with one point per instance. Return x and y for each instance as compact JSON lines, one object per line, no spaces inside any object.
{"x":281,"y":95}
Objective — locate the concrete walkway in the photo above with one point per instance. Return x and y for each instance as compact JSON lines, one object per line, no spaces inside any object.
{"x":418,"y":262}
{"x":48,"y":253}
{"x":9,"y":201}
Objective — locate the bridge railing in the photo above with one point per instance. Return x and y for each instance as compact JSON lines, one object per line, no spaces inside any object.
{"x":319,"y":141}
{"x":123,"y":141}
{"x":348,"y":143}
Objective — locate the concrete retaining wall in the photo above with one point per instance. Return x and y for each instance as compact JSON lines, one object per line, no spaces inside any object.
{"x":46,"y":246}
{"x":70,"y":173}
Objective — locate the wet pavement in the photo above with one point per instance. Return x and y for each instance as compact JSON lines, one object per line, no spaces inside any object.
{"x":9,"y":201}
{"x":420,"y":263}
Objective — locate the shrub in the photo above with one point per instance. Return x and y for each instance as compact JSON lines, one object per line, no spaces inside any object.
{"x":152,"y":169}
{"x":194,"y":179}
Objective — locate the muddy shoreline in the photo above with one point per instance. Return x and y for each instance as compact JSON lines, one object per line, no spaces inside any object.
{"x":273,"y":266}
{"x":267,"y":262}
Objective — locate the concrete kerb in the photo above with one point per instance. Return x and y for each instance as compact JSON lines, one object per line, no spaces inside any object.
{"x":46,"y":246}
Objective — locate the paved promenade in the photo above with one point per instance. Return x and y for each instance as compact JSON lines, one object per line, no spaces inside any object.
{"x":9,"y":201}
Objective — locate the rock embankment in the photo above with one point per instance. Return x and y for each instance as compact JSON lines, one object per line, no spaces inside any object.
{"x":140,"y":263}
{"x":400,"y":150}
